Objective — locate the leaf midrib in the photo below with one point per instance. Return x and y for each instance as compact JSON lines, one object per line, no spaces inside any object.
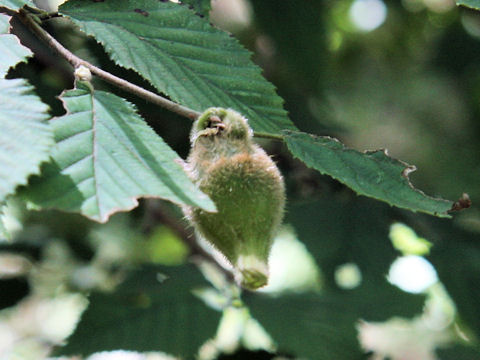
{"x":94,"y":154}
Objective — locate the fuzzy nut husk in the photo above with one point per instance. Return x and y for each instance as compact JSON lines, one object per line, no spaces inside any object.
{"x":247,"y":189}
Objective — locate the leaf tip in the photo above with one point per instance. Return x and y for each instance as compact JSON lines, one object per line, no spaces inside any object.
{"x":462,"y":203}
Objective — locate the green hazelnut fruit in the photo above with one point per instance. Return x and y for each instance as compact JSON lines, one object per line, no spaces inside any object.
{"x":245,"y":185}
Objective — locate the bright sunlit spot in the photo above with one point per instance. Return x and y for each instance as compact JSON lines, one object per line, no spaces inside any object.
{"x":412,"y":274}
{"x":348,"y":276}
{"x":407,"y":241}
{"x":367,"y":15}
{"x":292,"y":267}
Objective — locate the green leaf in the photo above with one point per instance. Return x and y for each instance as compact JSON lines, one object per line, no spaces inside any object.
{"x":11,"y":51}
{"x":372,"y":174}
{"x":106,"y":157}
{"x":16,"y":4}
{"x":201,"y":7}
{"x":183,"y":56}
{"x":147,"y":314}
{"x":323,"y":327}
{"x":25,"y":138}
{"x":474,"y":4}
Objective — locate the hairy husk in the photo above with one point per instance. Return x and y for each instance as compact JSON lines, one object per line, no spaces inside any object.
{"x":247,"y":189}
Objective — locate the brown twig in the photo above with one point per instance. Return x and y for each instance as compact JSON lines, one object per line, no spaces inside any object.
{"x":76,"y":62}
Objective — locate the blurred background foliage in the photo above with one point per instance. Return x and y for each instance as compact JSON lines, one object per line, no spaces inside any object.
{"x":402,"y":75}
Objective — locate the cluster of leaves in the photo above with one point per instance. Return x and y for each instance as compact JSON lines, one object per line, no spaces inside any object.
{"x":101,"y":157}
{"x":101,"y":142}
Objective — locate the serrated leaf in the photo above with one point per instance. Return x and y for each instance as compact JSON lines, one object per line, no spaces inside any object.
{"x":25,"y":137}
{"x":201,"y":7}
{"x":183,"y":56}
{"x":474,"y":4}
{"x":372,"y":174}
{"x":337,"y":230}
{"x":145,"y":314}
{"x":11,"y":51}
{"x":16,"y":4}
{"x":106,"y":157}
{"x":323,"y":327}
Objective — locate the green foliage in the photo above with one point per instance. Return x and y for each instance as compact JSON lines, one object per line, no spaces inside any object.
{"x":198,"y":66}
{"x":25,"y":138}
{"x":326,"y":322}
{"x":301,"y":45}
{"x":369,"y":89}
{"x":106,"y":157}
{"x":346,"y":231}
{"x":11,"y":51}
{"x":152,"y":310}
{"x":372,"y":174}
{"x":337,"y":236}
{"x":474,"y":4}
{"x":165,"y":247}
{"x":15,"y":4}
{"x":407,"y":242}
{"x":459,"y":250}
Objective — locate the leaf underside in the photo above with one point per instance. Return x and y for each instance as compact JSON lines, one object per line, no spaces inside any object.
{"x":11,"y":51}
{"x":183,"y":56}
{"x":105,"y":158}
{"x":474,"y":4}
{"x":146,"y":315}
{"x":25,"y":138}
{"x":16,"y":4}
{"x":372,"y":174}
